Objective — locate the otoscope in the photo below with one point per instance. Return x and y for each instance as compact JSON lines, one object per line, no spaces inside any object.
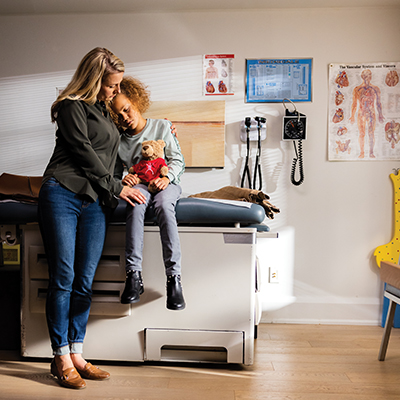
{"x":246,"y":170}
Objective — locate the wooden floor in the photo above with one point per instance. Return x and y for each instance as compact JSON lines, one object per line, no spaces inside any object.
{"x":292,"y":362}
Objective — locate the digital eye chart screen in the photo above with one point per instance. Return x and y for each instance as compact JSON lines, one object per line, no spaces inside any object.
{"x":272,"y":80}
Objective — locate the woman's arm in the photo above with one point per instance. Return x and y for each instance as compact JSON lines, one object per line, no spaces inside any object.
{"x":174,"y":157}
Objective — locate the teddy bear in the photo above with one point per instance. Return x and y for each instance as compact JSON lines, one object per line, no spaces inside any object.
{"x":152,"y":165}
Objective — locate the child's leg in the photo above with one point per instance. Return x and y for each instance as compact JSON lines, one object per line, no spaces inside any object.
{"x":164,"y":204}
{"x":135,"y":232}
{"x":134,"y":249}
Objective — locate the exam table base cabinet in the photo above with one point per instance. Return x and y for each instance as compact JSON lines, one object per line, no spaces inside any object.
{"x":218,"y":277}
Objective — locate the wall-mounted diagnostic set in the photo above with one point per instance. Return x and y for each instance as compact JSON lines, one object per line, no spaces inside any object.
{"x":253,"y":130}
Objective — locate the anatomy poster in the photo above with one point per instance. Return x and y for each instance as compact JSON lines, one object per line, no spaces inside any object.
{"x":218,"y":74}
{"x":364,"y":111}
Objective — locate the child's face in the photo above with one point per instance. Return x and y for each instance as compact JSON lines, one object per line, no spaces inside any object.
{"x":128,"y":114}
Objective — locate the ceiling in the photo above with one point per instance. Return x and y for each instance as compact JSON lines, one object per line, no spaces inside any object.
{"x":40,"y":7}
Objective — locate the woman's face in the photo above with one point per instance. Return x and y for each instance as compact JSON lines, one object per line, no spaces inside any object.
{"x":110,"y":87}
{"x":128,"y":115}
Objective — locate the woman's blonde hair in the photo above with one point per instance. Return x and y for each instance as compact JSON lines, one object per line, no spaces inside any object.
{"x":137,"y":93}
{"x":86,"y":82}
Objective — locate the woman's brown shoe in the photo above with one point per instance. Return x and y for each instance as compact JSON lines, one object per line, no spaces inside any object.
{"x":92,"y":372}
{"x":69,"y":377}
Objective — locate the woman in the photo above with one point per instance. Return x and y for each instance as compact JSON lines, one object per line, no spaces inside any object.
{"x":77,"y":195}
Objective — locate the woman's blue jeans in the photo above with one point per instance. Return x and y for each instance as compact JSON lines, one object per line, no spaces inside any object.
{"x":73,"y":231}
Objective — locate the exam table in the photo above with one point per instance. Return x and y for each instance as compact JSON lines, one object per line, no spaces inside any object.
{"x":219,"y":277}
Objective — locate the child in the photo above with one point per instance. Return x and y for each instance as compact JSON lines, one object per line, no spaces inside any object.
{"x":128,"y":107}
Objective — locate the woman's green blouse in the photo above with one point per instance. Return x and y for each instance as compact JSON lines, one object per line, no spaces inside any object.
{"x":85,"y":152}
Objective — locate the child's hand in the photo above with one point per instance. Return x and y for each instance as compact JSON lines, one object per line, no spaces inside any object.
{"x":159,"y":183}
{"x":130,"y":180}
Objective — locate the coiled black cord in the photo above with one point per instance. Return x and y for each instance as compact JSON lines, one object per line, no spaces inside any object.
{"x":257,"y":166}
{"x":299,"y":158}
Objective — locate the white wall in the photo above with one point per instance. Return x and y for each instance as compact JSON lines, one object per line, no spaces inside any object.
{"x":329,"y":226}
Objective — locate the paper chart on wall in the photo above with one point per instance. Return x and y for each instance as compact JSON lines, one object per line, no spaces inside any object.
{"x":364,"y":112}
{"x":218,"y":74}
{"x":273,"y":80}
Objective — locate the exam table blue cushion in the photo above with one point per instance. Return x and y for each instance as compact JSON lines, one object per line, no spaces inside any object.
{"x":188,"y":211}
{"x":196,"y":211}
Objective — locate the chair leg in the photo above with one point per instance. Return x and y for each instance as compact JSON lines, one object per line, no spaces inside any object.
{"x":388,"y":329}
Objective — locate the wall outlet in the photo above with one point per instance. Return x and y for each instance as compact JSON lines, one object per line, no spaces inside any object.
{"x":273,"y":275}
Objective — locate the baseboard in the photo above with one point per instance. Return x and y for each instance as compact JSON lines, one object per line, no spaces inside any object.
{"x":323,"y":313}
{"x":300,"y":321}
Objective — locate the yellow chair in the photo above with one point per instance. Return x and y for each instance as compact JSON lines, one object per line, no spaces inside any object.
{"x":387,"y":258}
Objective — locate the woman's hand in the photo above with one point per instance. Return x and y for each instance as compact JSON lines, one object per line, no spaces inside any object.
{"x":173,"y":129}
{"x":128,"y":194}
{"x":130,"y":180}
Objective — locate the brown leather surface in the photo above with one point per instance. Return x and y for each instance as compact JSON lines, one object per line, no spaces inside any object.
{"x":19,"y":187}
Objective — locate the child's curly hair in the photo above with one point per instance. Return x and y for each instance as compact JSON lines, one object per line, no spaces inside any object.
{"x":138,"y":94}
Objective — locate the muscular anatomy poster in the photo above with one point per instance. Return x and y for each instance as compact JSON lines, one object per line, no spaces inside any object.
{"x":364,"y":111}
